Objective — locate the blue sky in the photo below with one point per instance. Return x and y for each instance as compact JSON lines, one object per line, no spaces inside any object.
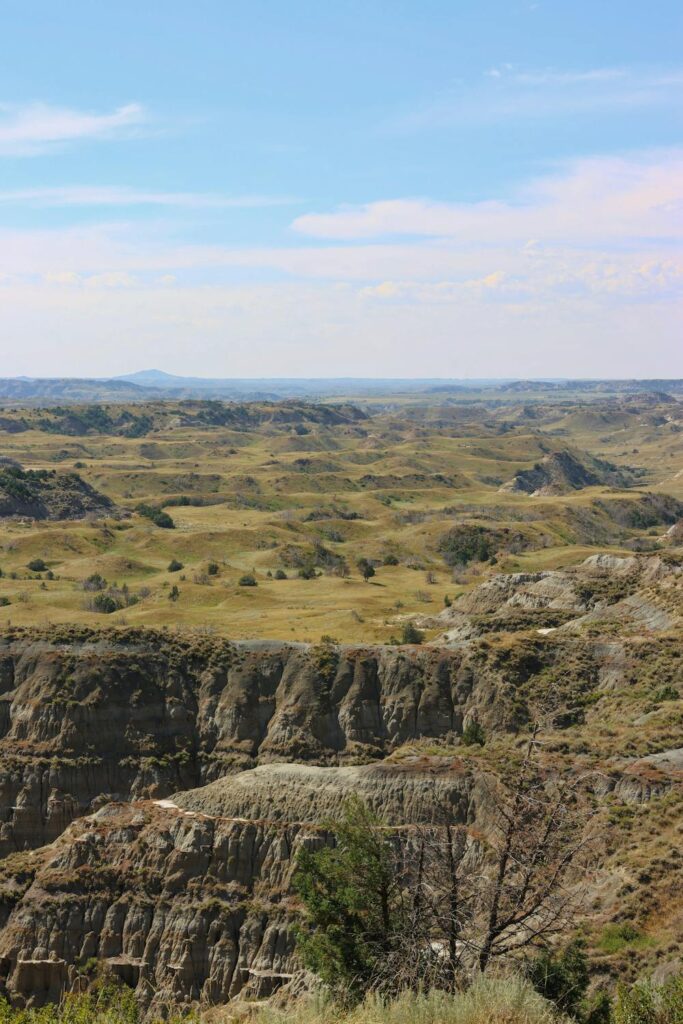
{"x":391,"y":189}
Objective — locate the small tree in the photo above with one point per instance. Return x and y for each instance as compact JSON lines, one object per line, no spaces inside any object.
{"x":350,"y":902}
{"x":175,"y":566}
{"x":173,"y":593}
{"x":562,"y":977}
{"x":473,"y":734}
{"x":365,"y":568}
{"x":411,"y":634}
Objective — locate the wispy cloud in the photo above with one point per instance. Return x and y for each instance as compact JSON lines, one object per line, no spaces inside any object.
{"x":34,"y":128}
{"x":512,"y":92}
{"x":114,"y":195}
{"x":578,"y":268}
{"x":602,"y":200}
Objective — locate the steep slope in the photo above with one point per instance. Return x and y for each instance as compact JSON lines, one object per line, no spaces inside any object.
{"x":563,"y":471}
{"x":48,"y":494}
{"x":174,"y":779}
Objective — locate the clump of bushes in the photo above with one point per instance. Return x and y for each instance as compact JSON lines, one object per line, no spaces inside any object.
{"x":410,"y":634}
{"x":37,"y":565}
{"x":157,"y":516}
{"x":248,"y":580}
{"x":108,"y":598}
{"x":307,"y":572}
{"x":94,"y":582}
{"x":465,"y":544}
{"x":175,"y":566}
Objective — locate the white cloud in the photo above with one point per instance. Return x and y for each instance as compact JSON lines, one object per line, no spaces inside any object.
{"x":35,"y":128}
{"x":579,"y":269}
{"x":601,"y":200}
{"x":115,"y":195}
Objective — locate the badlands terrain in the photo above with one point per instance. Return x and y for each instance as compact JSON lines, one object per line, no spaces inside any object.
{"x":196,"y":672}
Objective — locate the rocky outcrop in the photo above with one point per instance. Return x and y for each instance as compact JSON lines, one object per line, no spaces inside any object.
{"x":180,"y":906}
{"x":563,"y":471}
{"x":134,"y":715}
{"x":414,"y":790}
{"x":48,"y":494}
{"x":155,"y":789}
{"x":643,"y":592}
{"x":87,"y":717}
{"x":194,"y":902}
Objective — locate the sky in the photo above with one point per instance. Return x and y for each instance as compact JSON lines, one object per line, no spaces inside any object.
{"x":473,"y":188}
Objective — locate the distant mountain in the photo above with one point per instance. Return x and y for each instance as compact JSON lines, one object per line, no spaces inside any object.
{"x":51,"y":390}
{"x":153,"y":384}
{"x":298,"y":387}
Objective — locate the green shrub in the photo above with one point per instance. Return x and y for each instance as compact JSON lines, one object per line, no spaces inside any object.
{"x":307,"y":572}
{"x":650,"y":1004}
{"x":474,"y":735}
{"x":175,"y":566}
{"x":411,"y":634}
{"x":37,"y":565}
{"x":105,"y":604}
{"x":280,"y":574}
{"x":350,"y":903}
{"x":107,"y":1003}
{"x":365,"y":568}
{"x":562,"y":976}
{"x":94,"y":582}
{"x":248,"y":580}
{"x":212,"y":569}
{"x":666,"y":693}
{"x":465,"y":544}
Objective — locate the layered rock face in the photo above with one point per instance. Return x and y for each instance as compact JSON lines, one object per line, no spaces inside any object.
{"x":176,"y":778}
{"x":635,"y":593}
{"x":415,"y":790}
{"x":182,"y":907}
{"x":186,"y":905}
{"x":140,"y":715}
{"x":87,"y":717}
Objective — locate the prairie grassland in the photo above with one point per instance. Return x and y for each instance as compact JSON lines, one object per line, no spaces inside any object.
{"x":278,"y":496}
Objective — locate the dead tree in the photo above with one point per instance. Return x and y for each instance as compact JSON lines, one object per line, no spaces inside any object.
{"x":539,"y":848}
{"x":472,"y":899}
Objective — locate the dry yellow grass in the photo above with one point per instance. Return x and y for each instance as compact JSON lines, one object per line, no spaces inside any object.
{"x":408,"y":484}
